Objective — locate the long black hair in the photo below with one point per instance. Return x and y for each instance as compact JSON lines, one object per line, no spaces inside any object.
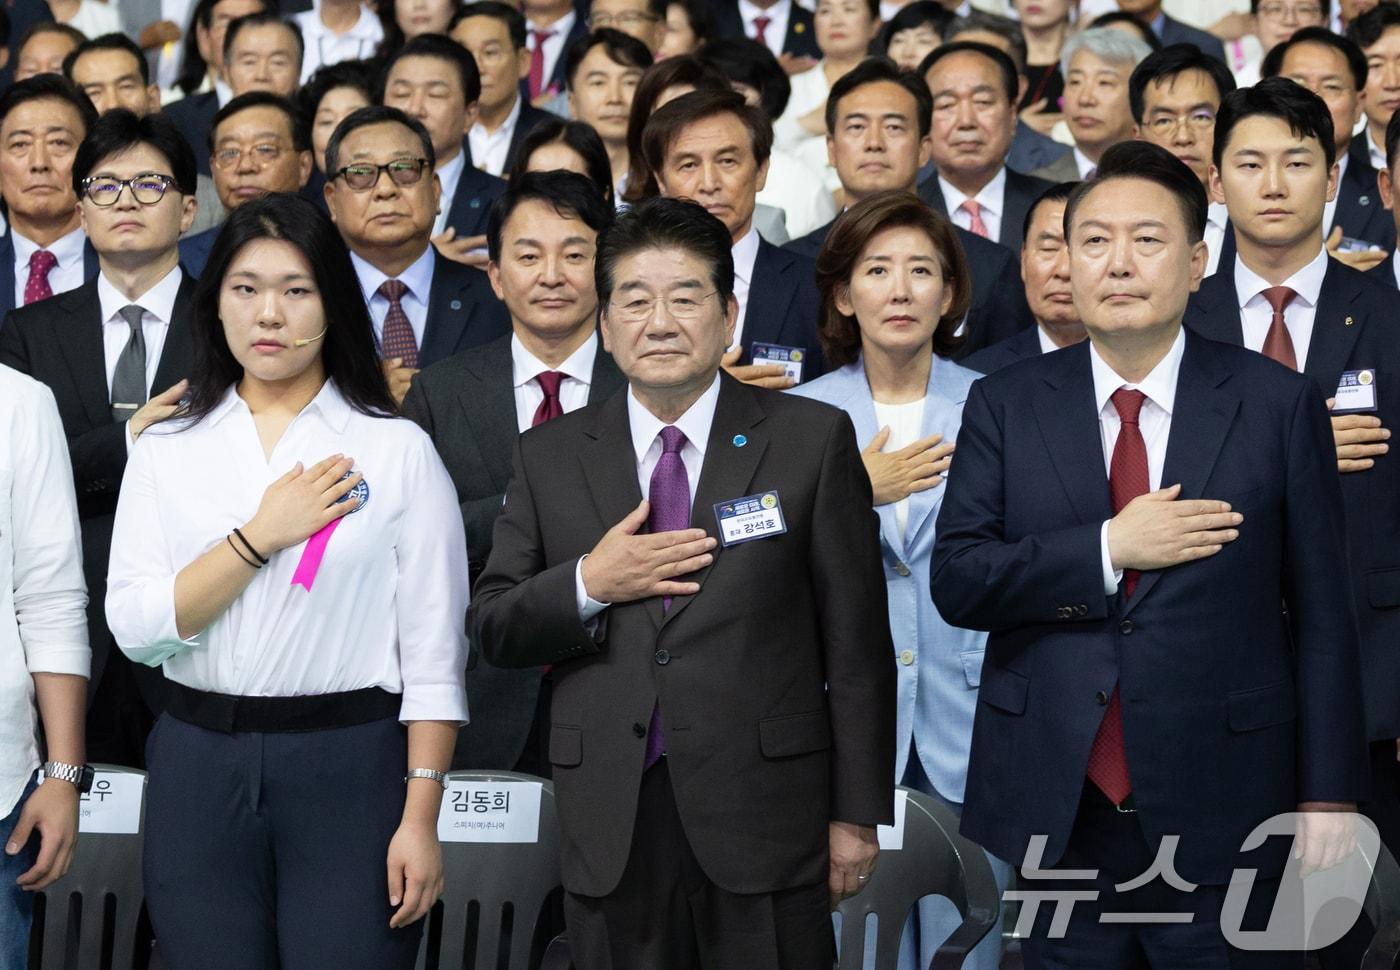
{"x":347,"y":349}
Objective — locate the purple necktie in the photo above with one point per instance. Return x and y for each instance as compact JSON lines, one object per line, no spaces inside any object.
{"x":670,"y":511}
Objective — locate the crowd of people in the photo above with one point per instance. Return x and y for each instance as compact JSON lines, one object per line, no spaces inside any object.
{"x":727,"y":411}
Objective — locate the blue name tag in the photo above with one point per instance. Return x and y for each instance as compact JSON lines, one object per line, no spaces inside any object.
{"x":791,"y":358}
{"x":750,"y":517}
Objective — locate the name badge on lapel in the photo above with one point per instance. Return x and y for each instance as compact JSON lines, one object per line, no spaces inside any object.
{"x":748,"y":518}
{"x":1356,"y":392}
{"x":791,"y":358}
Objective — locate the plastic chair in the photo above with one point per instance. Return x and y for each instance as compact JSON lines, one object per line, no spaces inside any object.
{"x":496,"y":894}
{"x":935,"y":861}
{"x":1383,"y":907}
{"x":97,"y":901}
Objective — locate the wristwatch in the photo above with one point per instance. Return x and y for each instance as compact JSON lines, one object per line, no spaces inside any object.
{"x":79,"y":776}
{"x":429,"y":774}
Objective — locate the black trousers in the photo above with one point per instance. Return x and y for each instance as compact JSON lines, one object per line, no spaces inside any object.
{"x":666,"y":915}
{"x":1113,"y":843}
{"x":268,"y":851}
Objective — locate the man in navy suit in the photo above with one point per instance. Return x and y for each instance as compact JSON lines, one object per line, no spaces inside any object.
{"x":1340,"y":324}
{"x":552,"y":27}
{"x":784,"y":27}
{"x":1334,"y":69}
{"x":1127,"y":517}
{"x":1045,"y":272}
{"x":1170,"y":31}
{"x":1388,"y":271}
{"x":712,"y":147}
{"x":382,"y":197}
{"x":879,"y":119}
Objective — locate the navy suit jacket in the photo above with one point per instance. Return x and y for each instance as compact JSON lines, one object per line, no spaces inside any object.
{"x":556,"y":83}
{"x":194,"y":250}
{"x":530,"y":116}
{"x":1384,"y":272}
{"x":1233,"y":710}
{"x":462,"y":312}
{"x":801,"y":36}
{"x":1019,"y":346}
{"x":1031,"y":150}
{"x":476,"y":190}
{"x":1021,"y":193}
{"x":783,"y":306}
{"x":195,"y":117}
{"x":1175,"y":32}
{"x":1355,"y":328}
{"x":1359,"y":211}
{"x":998,"y":307}
{"x":7,"y":270}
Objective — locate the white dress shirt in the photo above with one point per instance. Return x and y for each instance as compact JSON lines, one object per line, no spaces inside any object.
{"x":554,"y":46}
{"x":905,"y":422}
{"x":67,"y":273}
{"x":577,"y":369}
{"x":1217,"y":218}
{"x":490,"y":148}
{"x":991,"y":197}
{"x":159,"y":304}
{"x":1084,"y":163}
{"x":1256,"y":315}
{"x":419,"y":280}
{"x":1329,"y":211}
{"x":1154,"y":421}
{"x":387,"y":607}
{"x":646,"y":443}
{"x":323,"y":46}
{"x":1374,"y":151}
{"x":745,"y":254}
{"x":449,"y":173}
{"x":43,"y":623}
{"x":1047,"y":346}
{"x":776,"y":31}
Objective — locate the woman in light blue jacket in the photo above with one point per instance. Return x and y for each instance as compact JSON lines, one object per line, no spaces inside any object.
{"x":894,"y":285}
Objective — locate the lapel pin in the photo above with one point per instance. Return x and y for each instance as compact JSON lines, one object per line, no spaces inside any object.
{"x":456,"y":304}
{"x":799,"y":28}
{"x":740,"y":441}
{"x":1348,"y":321}
{"x":1364,"y":200}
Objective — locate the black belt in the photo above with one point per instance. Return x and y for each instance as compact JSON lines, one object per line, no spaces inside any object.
{"x":312,"y":712}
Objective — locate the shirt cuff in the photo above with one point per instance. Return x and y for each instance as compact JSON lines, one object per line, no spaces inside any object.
{"x":434,"y":702}
{"x":1111,"y":577}
{"x":588,"y":607}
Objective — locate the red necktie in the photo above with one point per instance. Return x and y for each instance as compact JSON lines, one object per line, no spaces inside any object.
{"x":550,"y":407}
{"x":398,"y":339}
{"x":1127,"y":479}
{"x":37,"y":286}
{"x":760,"y":24}
{"x":975,"y":224}
{"x":1278,"y":345}
{"x":536,"y":82}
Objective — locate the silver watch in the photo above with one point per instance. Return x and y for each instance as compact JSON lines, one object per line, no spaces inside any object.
{"x":437,"y":776}
{"x":79,"y":776}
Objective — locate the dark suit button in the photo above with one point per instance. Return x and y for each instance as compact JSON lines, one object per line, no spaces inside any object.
{"x":1101,"y":697}
{"x":638,"y":730}
{"x":663,"y":657}
{"x":1126,"y":627}
{"x":1082,"y":610}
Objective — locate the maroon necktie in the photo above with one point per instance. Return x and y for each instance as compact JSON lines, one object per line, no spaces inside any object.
{"x":398,"y":340}
{"x":760,"y":24}
{"x":550,"y":407}
{"x":669,"y":497}
{"x":536,"y":82}
{"x":1278,"y":344}
{"x":1127,"y":479}
{"x":37,"y":287}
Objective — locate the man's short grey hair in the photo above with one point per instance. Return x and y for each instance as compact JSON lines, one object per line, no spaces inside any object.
{"x":1106,"y":43}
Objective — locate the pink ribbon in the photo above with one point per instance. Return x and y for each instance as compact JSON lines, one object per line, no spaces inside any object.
{"x":310,"y":562}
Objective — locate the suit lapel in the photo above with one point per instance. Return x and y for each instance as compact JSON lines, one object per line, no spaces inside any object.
{"x":488,"y":407}
{"x":932,"y":193}
{"x":770,"y":294}
{"x":7,"y":272}
{"x":176,"y":355}
{"x":1334,"y":328}
{"x":1016,"y":199}
{"x":939,"y":408}
{"x":1214,"y":312}
{"x":858,"y":402}
{"x":610,"y":467}
{"x":1069,"y":423}
{"x":83,"y":351}
{"x":451,"y":305}
{"x":607,"y":379}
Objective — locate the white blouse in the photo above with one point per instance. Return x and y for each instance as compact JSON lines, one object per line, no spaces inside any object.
{"x":387,"y":607}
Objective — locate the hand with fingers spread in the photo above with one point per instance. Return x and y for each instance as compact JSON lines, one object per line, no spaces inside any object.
{"x":1360,"y":440}
{"x":52,"y":811}
{"x":158,"y":408}
{"x":772,"y":376}
{"x":624,"y":566}
{"x":1157,"y":530}
{"x":415,"y":872}
{"x":853,"y":849}
{"x":301,"y":503}
{"x":917,"y":467}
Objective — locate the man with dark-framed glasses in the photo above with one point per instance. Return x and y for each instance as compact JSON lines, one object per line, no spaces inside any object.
{"x":383,"y":196}
{"x":115,"y":352}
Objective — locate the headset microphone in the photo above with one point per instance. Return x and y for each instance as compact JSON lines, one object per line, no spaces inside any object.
{"x":309,"y":340}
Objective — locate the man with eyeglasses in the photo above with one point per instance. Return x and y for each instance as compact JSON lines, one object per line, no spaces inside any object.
{"x":256,"y":146}
{"x":383,"y":196}
{"x":643,"y":19}
{"x":1174,"y":94}
{"x":115,"y":352}
{"x":1274,"y":22}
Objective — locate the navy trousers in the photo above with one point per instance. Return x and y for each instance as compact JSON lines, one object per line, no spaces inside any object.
{"x":268,"y":851}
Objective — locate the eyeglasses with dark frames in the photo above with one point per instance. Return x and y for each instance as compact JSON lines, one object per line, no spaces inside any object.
{"x":363,"y":176}
{"x":147,"y":188}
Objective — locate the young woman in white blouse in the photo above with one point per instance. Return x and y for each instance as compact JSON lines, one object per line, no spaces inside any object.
{"x":294,"y":556}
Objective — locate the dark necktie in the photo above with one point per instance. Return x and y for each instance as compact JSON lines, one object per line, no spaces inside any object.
{"x":760,"y":24}
{"x":536,"y":82}
{"x":550,"y":407}
{"x":1278,"y":344}
{"x":669,"y":496}
{"x":398,"y":340}
{"x":37,"y":287}
{"x":1127,"y":479}
{"x":129,"y":378}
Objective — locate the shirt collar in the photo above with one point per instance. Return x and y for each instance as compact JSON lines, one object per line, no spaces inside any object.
{"x":1218,"y":215}
{"x":1374,"y":151}
{"x":694,"y":424}
{"x":1307,"y":282}
{"x":749,"y":12}
{"x":561,"y":27}
{"x":990,"y":197}
{"x":578,"y":365}
{"x":328,"y":404}
{"x":1159,"y":385}
{"x":1084,"y":163}
{"x":66,"y":249}
{"x":507,"y":128}
{"x":450,"y":173}
{"x":366,"y":26}
{"x":745,"y":253}
{"x":418,"y":277}
{"x":158,"y":301}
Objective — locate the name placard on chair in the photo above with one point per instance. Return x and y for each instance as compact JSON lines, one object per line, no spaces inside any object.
{"x":113,"y":807}
{"x":490,"y":811}
{"x":892,"y":836}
